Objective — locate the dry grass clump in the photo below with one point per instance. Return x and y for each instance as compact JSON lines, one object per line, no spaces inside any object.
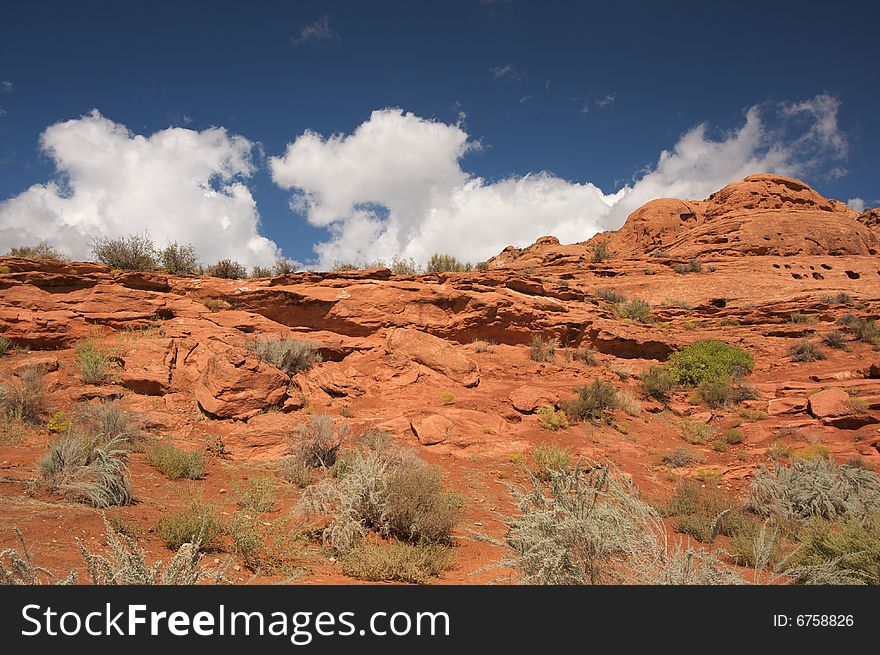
{"x":610,"y":295}
{"x":835,"y":339}
{"x":549,"y":459}
{"x":283,"y":267}
{"x":257,"y":495}
{"x":196,"y":523}
{"x":288,"y":355}
{"x":88,"y":469}
{"x":18,"y":568}
{"x":446,"y":264}
{"x":601,"y":252}
{"x":656,"y":382}
{"x":482,"y":346}
{"x":593,"y":403}
{"x":635,"y":310}
{"x":175,"y":463}
{"x":397,"y":561}
{"x":94,"y":359}
{"x":805,"y":351}
{"x":24,"y":400}
{"x":543,"y":350}
{"x":316,"y":442}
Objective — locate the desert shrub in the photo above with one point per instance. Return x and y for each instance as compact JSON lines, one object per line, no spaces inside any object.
{"x":400,"y":266}
{"x":195,"y":523}
{"x":40,"y":251}
{"x":629,"y":403}
{"x":24,"y":399}
{"x":288,"y":355}
{"x":695,"y":432}
{"x":850,"y":543}
{"x":126,"y":564}
{"x":805,"y":351}
{"x":693,"y":266}
{"x":840,"y":298}
{"x":134,"y":252}
{"x":865,"y":330}
{"x":601,"y":252}
{"x":227,"y":268}
{"x":5,"y":345}
{"x":257,"y":495}
{"x":93,"y":359}
{"x":397,"y":561}
{"x":610,"y":295}
{"x":481,"y":346}
{"x":17,"y":568}
{"x":179,"y":259}
{"x":592,"y":528}
{"x":283,"y":267}
{"x":753,"y":414}
{"x":543,"y":350}
{"x":316,"y":441}
{"x":661,"y":254}
{"x":814,"y":487}
{"x":799,"y":318}
{"x":447,"y":397}
{"x":88,"y":469}
{"x":709,"y":360}
{"x":107,"y":420}
{"x":656,"y":382}
{"x":585,"y":355}
{"x":416,"y":508}
{"x":446,"y":264}
{"x":722,"y":393}
{"x":357,"y":499}
{"x":703,"y":513}
{"x":295,"y":472}
{"x":680,"y":458}
{"x":261,"y":271}
{"x":635,"y":310}
{"x":592,"y":403}
{"x":677,"y":304}
{"x":551,"y":419}
{"x":175,"y":463}
{"x":733,"y":436}
{"x":550,"y":458}
{"x":835,"y":339}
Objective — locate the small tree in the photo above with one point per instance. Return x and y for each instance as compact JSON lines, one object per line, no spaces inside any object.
{"x":134,"y":252}
{"x":227,"y":268}
{"x":179,"y":259}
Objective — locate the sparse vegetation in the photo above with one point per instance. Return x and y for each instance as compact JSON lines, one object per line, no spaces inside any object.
{"x":805,"y":351}
{"x":257,"y":495}
{"x":850,"y":543}
{"x":227,"y":268}
{"x":40,"y":251}
{"x":543,"y":350}
{"x":681,"y":457}
{"x":799,"y":318}
{"x":592,"y":403}
{"x":656,"y":382}
{"x":179,"y":259}
{"x":610,"y":295}
{"x":481,"y":346}
{"x":835,"y":339}
{"x":865,"y":330}
{"x":601,"y":252}
{"x":94,"y":359}
{"x":401,"y":266}
{"x":175,"y":463}
{"x":261,"y":271}
{"x":134,"y":252}
{"x":550,"y":458}
{"x":283,"y":267}
{"x":840,"y":298}
{"x":446,"y":264}
{"x":585,"y":355}
{"x":722,"y":393}
{"x":551,"y":419}
{"x":635,"y":310}
{"x":703,"y":513}
{"x":288,"y":355}
{"x":696,"y":432}
{"x":397,"y":561}
{"x":24,"y":400}
{"x":316,"y":441}
{"x":196,"y":523}
{"x":5,"y":345}
{"x":693,"y":266}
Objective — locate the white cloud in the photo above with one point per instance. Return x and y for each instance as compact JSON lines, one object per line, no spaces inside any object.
{"x":856,"y":203}
{"x":318,"y":32}
{"x":606,"y":101}
{"x":395,"y":185}
{"x":177,"y":184}
{"x":6,"y":86}
{"x":504,"y":72}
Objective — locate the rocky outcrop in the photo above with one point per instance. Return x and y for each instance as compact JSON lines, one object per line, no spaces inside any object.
{"x":238,"y":385}
{"x":435,"y":353}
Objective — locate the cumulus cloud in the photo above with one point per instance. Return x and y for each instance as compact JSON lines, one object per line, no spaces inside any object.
{"x":177,"y":184}
{"x":395,"y":185}
{"x":318,"y":32}
{"x":856,"y":203}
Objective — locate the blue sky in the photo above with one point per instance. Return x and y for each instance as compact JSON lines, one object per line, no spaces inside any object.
{"x":588,"y":92}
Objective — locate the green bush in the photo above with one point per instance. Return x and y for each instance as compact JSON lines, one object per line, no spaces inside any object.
{"x":695,"y":432}
{"x":656,"y":382}
{"x":592,"y":403}
{"x":227,"y":268}
{"x":25,"y":399}
{"x":175,"y":463}
{"x":851,"y":544}
{"x":709,"y":360}
{"x":601,"y":252}
{"x":703,"y":513}
{"x":865,"y":330}
{"x":446,"y":264}
{"x":543,"y":350}
{"x":722,"y":393}
{"x":397,"y":561}
{"x":551,"y":419}
{"x":93,"y":361}
{"x":40,"y":251}
{"x":88,"y":469}
{"x":635,"y":310}
{"x":134,"y":252}
{"x":196,"y":523}
{"x":288,"y":355}
{"x":179,"y":259}
{"x":550,"y":458}
{"x":805,"y":351}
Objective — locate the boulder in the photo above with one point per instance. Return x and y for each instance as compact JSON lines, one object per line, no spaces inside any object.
{"x":829,"y":404}
{"x":148,"y":366}
{"x":46,"y":364}
{"x":527,"y":399}
{"x":237,"y":385}
{"x":779,"y":406}
{"x":431,"y":429}
{"x":435,"y":353}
